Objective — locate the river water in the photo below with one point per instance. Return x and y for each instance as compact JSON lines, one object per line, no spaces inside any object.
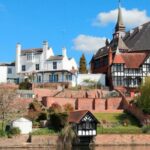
{"x":87,"y":148}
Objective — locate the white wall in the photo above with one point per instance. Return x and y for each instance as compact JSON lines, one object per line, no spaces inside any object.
{"x":3,"y":74}
{"x":99,"y":78}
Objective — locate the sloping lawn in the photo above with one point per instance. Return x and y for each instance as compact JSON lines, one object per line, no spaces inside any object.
{"x":117,"y":123}
{"x":44,"y":131}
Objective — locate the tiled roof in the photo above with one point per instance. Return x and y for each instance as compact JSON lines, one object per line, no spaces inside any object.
{"x":118,"y":59}
{"x":58,"y":57}
{"x":131,"y":60}
{"x":138,"y":38}
{"x":134,"y":40}
{"x":76,"y":116}
{"x":32,"y":50}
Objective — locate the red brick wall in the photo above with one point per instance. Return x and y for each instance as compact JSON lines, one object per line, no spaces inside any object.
{"x":100,"y":104}
{"x":113,"y":103}
{"x":84,"y":103}
{"x":48,"y":101}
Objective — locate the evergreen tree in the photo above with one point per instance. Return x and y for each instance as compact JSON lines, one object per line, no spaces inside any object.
{"x":82,"y":67}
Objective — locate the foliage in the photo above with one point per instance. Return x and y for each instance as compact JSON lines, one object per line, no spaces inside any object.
{"x":143,"y":101}
{"x":43,"y":131}
{"x":14,"y":131}
{"x":35,"y":124}
{"x":82,"y":65}
{"x":91,"y":83}
{"x":146,"y":129}
{"x":35,"y":110}
{"x":68,"y":107}
{"x":10,"y":108}
{"x":26,"y":85}
{"x":2,"y":133}
{"x":67,"y":136}
{"x":58,"y":120}
{"x":42,"y":116}
{"x":55,"y":108}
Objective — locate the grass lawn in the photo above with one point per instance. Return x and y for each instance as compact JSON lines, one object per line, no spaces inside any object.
{"x":43,"y":131}
{"x":114,"y":123}
{"x":0,"y":125}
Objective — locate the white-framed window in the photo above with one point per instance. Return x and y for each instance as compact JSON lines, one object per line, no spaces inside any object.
{"x":37,"y":67}
{"x":29,"y":56}
{"x":54,"y":65}
{"x":23,"y":68}
{"x":9,"y":70}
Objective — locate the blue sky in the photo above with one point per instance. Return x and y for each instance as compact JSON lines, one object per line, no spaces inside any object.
{"x":79,"y":25}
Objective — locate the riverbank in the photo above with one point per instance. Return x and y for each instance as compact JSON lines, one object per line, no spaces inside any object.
{"x":51,"y":141}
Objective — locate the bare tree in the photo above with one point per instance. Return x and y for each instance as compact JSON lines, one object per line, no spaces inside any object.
{"x":10,"y":107}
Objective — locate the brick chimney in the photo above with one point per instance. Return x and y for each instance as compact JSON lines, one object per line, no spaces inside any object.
{"x":110,"y":56}
{"x":110,"y":60}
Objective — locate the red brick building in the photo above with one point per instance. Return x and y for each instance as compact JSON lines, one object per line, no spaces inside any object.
{"x":126,"y":59}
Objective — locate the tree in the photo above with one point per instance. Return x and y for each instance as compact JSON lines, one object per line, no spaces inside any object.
{"x":82,"y":67}
{"x":10,"y":107}
{"x":68,"y":107}
{"x":143,"y":101}
{"x":67,"y":137}
{"x":26,"y":85}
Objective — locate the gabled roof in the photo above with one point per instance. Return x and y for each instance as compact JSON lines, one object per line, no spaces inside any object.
{"x":76,"y":116}
{"x":131,"y":60}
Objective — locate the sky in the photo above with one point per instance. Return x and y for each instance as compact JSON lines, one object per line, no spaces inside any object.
{"x":81,"y":26}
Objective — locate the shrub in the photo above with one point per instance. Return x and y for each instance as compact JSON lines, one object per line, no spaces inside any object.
{"x":58,"y":120}
{"x":143,"y":101}
{"x":15,"y":131}
{"x":68,"y":107}
{"x":146,"y":129}
{"x":26,"y":85}
{"x":55,"y":108}
{"x":36,"y":124}
{"x":42,"y":116}
{"x":2,"y":133}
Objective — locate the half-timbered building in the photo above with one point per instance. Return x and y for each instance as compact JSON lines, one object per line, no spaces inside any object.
{"x":126,"y":59}
{"x":84,"y":124}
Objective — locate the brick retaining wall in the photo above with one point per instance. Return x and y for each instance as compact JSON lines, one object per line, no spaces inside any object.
{"x":105,"y":139}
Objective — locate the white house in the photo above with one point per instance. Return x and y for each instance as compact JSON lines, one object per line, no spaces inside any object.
{"x":23,"y":124}
{"x":8,"y":73}
{"x":44,"y":65}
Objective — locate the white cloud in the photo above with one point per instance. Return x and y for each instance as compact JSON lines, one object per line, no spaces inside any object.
{"x":87,"y":43}
{"x":131,"y":18}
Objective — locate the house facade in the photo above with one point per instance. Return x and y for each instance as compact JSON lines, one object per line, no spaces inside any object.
{"x":125,"y":59}
{"x":8,"y":73}
{"x":44,"y":66}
